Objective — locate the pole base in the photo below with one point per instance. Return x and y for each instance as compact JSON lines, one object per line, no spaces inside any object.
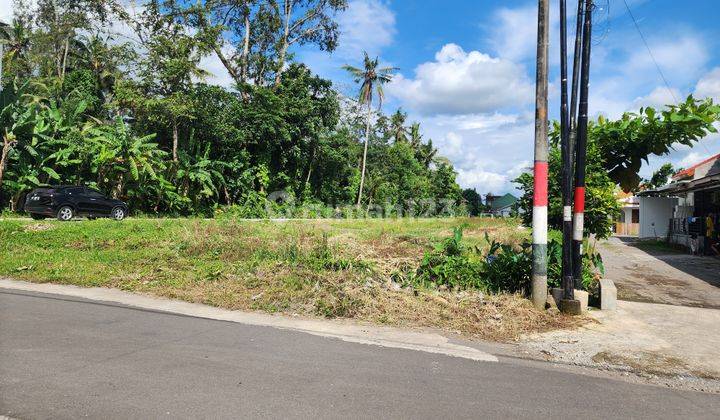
{"x":570,"y":307}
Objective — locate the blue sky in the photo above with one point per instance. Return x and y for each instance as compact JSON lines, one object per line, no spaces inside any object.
{"x":467,"y":71}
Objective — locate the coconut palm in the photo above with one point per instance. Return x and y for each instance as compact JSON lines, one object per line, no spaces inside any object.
{"x":371,"y":79}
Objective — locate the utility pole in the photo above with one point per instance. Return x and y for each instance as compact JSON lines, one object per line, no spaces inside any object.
{"x":576,"y":80}
{"x":579,"y":223}
{"x":567,"y":169}
{"x":540,"y":170}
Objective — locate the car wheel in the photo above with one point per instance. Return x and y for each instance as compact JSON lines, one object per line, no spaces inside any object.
{"x":36,"y":216}
{"x":65,"y":213}
{"x":118,"y":213}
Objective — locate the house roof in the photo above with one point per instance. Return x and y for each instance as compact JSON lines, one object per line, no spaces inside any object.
{"x":505,"y":201}
{"x":690,"y":172}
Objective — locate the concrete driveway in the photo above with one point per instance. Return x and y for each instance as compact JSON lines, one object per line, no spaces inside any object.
{"x":652,"y":274}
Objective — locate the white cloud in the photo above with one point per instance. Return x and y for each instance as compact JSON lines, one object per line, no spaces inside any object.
{"x":709,"y":85}
{"x":458,"y":82}
{"x":484,"y":182}
{"x":366,"y":25}
{"x":514,"y":31}
{"x":658,"y":98}
{"x":692,"y":159}
{"x":681,"y":59}
{"x":6,"y":10}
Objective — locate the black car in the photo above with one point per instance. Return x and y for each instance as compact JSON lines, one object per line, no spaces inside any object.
{"x":66,"y":202}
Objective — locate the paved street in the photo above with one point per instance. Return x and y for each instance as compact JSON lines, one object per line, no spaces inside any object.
{"x":65,"y":357}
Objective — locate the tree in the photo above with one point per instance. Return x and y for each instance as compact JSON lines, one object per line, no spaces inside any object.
{"x":170,"y":65}
{"x":660,"y":177}
{"x":628,"y":142}
{"x":371,"y":79}
{"x":307,"y":22}
{"x":601,"y":204}
{"x":17,"y":117}
{"x":473,"y":200}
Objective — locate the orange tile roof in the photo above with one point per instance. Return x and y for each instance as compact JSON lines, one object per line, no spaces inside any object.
{"x":690,"y":172}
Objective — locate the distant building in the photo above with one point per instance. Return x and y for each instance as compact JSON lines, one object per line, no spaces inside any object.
{"x":680,"y":210}
{"x":628,"y":223}
{"x":501,"y":206}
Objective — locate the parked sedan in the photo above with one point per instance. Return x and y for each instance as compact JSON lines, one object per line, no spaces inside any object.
{"x":66,"y":202}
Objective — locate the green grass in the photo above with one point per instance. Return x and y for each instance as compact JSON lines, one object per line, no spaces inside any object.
{"x":330,"y":268}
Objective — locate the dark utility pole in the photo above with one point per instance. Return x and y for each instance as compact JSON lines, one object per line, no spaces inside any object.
{"x":576,"y":80}
{"x":540,"y":170}
{"x":578,"y":227}
{"x":567,"y":169}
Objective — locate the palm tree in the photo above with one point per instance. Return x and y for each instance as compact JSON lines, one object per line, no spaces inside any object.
{"x":371,"y":79}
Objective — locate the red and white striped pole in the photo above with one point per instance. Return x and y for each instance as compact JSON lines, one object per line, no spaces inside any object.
{"x":540,"y":170}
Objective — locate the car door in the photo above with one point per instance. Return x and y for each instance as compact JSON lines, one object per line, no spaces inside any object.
{"x":100,"y":204}
{"x":77,"y":197}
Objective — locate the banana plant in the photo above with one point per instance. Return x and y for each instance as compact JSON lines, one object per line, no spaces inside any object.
{"x":17,"y":117}
{"x":123,"y":160}
{"x":197,"y":175}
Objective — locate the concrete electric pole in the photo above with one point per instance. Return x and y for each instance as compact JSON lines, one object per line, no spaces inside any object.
{"x":540,"y":170}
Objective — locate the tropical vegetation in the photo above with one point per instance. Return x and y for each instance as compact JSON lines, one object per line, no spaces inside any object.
{"x":128,"y":111}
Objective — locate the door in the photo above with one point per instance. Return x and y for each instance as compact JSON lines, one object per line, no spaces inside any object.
{"x":99,"y":204}
{"x":77,"y":196}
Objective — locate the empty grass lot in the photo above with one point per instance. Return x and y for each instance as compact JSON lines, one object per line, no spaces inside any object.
{"x":326,"y":268}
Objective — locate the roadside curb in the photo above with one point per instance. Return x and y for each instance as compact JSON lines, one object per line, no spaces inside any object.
{"x":361,"y":334}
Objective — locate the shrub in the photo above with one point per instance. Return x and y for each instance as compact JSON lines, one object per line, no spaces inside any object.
{"x":502,"y":268}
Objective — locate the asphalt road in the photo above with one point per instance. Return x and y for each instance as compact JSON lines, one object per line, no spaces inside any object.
{"x":63,"y":357}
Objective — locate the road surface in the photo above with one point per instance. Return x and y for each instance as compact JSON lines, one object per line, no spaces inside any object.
{"x":66,"y":357}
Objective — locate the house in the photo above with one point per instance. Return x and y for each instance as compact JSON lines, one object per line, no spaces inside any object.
{"x":501,"y":206}
{"x":678,"y":211}
{"x":628,"y":223}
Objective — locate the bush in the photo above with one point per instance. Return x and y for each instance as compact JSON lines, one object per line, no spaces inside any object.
{"x":502,"y":268}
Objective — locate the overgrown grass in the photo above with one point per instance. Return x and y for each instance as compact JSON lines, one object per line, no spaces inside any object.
{"x":329,"y":268}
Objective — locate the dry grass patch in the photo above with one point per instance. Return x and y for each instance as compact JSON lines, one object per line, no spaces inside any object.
{"x":325,"y":268}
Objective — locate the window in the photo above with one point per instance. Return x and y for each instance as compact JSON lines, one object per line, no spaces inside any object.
{"x":636,"y":216}
{"x":94,"y":193}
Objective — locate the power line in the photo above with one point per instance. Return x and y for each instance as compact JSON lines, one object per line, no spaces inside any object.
{"x":652,"y":56}
{"x":657,"y":66}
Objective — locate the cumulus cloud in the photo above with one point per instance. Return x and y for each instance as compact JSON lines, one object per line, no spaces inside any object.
{"x":460,"y":82}
{"x":512,"y":31}
{"x":366,"y":25}
{"x":658,"y":98}
{"x":709,"y":85}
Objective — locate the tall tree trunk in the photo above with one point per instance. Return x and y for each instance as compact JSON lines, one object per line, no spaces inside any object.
{"x":245,"y":62}
{"x":175,"y":140}
{"x":310,"y":164}
{"x":228,"y":200}
{"x":364,"y":159}
{"x":285,"y":42}
{"x":7,"y":145}
{"x":64,"y":59}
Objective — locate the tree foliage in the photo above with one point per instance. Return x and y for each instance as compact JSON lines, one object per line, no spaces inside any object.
{"x":601,"y":204}
{"x":132,"y":116}
{"x":628,"y":142}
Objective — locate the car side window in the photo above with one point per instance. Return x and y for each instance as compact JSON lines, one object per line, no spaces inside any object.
{"x":95,"y":194}
{"x":74,"y":191}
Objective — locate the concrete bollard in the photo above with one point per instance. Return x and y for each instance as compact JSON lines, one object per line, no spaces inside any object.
{"x":608,"y":295}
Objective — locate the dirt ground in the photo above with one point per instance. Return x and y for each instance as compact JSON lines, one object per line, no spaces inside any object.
{"x":661,"y":276}
{"x":660,"y":341}
{"x":666,"y":328}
